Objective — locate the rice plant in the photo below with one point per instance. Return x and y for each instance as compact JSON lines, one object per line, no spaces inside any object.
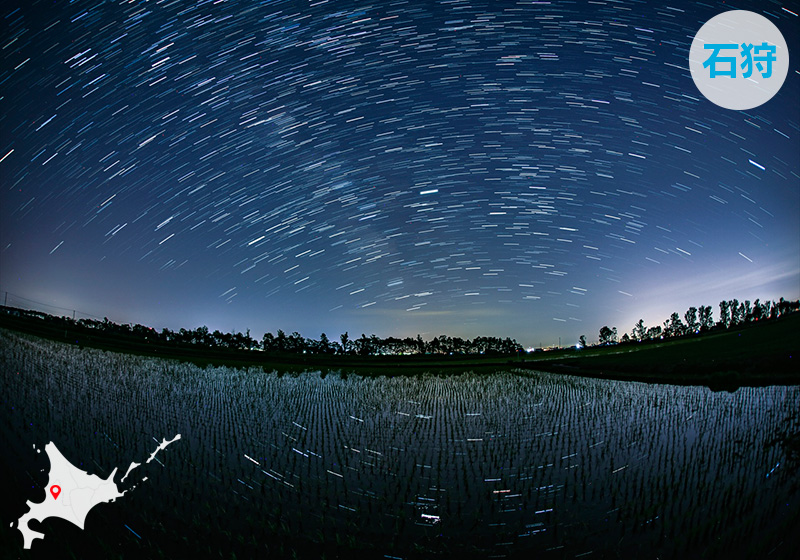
{"x":407,"y":467}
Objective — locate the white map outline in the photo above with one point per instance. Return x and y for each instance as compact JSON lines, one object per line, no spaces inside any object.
{"x":80,"y":492}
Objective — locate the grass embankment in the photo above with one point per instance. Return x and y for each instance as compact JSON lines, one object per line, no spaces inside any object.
{"x":764,"y":353}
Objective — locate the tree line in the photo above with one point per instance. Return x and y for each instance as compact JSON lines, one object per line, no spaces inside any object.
{"x":700,"y":319}
{"x":373,"y":345}
{"x":695,"y":320}
{"x":281,"y":343}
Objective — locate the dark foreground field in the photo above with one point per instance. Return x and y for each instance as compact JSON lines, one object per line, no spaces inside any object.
{"x":755,"y":355}
{"x":518,"y":464}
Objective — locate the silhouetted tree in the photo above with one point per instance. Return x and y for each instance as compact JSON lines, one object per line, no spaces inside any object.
{"x":582,"y":341}
{"x":511,"y":346}
{"x":411,"y":346}
{"x":676,"y":327}
{"x":296,"y":343}
{"x":692,"y":325}
{"x":733,"y":306}
{"x":376,"y":345}
{"x":363,"y":346}
{"x":324,"y":344}
{"x":218,"y":337}
{"x":742,"y":313}
{"x":785,"y":306}
{"x":281,"y":342}
{"x":654,"y":333}
{"x":706,"y":320}
{"x":724,"y":314}
{"x":607,"y":335}
{"x":757,"y":312}
{"x":639,"y":331}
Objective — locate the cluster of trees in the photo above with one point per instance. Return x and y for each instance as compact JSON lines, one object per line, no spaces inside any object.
{"x":295,"y":343}
{"x":696,"y":320}
{"x":375,"y":346}
{"x":282,"y":343}
{"x":200,"y":336}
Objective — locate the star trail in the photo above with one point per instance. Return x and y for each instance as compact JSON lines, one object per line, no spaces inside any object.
{"x":524,"y":169}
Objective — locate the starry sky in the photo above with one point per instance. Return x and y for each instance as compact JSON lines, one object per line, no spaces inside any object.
{"x":526,"y":169}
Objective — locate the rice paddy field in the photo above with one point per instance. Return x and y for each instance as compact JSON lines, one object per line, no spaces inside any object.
{"x":504,"y":465}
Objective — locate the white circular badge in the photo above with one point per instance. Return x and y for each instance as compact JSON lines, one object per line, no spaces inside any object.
{"x":738,"y":60}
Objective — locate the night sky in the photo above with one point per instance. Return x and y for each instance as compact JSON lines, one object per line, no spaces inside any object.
{"x":526,"y":169}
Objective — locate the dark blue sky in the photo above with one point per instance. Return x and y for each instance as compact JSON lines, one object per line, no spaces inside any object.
{"x":524,"y":169}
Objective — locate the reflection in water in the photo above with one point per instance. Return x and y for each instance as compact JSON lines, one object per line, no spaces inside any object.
{"x":409,"y":467}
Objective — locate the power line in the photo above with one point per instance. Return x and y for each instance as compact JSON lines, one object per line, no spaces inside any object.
{"x":32,"y":303}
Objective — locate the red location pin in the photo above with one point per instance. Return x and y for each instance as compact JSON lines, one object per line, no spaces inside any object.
{"x":55,"y":490}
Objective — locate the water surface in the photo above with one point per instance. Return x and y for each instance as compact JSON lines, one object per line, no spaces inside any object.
{"x":468,"y":465}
